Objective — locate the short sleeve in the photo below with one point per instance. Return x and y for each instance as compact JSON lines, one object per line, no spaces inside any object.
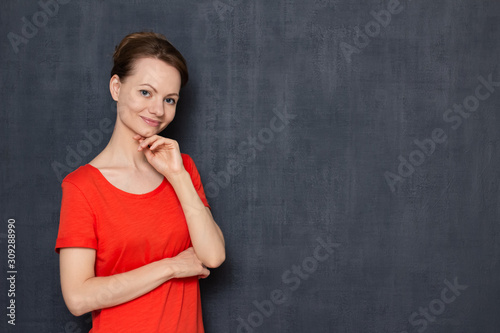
{"x":77,"y":223}
{"x":195,"y":178}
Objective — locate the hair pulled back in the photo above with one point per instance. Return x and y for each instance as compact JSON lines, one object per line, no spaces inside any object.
{"x":139,"y":45}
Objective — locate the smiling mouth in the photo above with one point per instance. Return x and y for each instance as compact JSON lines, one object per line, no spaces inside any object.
{"x":150,"y":122}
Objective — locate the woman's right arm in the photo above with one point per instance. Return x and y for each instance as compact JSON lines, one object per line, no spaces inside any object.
{"x":84,"y":292}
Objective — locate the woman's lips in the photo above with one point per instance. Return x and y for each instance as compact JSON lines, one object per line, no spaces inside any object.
{"x":150,"y":122}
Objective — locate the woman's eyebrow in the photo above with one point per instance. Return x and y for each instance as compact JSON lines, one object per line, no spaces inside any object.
{"x":147,"y":84}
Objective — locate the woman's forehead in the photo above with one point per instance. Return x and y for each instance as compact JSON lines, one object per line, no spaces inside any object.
{"x":155,"y":72}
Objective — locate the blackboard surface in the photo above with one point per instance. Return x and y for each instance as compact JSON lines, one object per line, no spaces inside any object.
{"x":349,"y":149}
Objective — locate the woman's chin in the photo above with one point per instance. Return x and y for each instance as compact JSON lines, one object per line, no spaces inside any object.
{"x":149,"y":132}
{"x":146,"y":132}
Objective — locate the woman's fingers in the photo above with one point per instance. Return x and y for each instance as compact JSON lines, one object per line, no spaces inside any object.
{"x":139,"y":138}
{"x":204,"y":273}
{"x":155,"y":141}
{"x":155,"y":144}
{"x":163,"y":154}
{"x":204,"y":276}
{"x":191,"y":265}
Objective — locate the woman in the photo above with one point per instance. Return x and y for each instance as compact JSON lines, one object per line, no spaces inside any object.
{"x":136,"y":232}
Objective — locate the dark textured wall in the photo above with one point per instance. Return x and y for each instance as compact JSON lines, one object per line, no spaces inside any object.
{"x":349,"y":149}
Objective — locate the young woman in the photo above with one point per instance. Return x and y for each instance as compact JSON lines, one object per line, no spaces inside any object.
{"x":136,"y":232}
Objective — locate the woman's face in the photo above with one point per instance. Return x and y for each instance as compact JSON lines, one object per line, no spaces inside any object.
{"x":146,"y":99}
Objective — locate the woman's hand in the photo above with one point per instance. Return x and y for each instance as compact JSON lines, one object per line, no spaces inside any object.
{"x":163,"y":154}
{"x":187,"y":264}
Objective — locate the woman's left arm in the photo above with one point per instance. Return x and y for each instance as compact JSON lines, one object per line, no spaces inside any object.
{"x":206,"y":236}
{"x":164,"y":155}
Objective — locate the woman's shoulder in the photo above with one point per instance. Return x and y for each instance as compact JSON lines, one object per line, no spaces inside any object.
{"x":79,"y":176}
{"x":186,"y":159}
{"x":188,"y":162}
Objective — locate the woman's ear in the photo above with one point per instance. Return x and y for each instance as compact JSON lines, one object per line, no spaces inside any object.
{"x":114,"y":87}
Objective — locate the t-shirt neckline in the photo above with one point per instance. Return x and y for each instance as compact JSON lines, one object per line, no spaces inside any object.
{"x":124,"y":193}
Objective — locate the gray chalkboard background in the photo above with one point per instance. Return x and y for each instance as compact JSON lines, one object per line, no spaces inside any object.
{"x":350,"y":151}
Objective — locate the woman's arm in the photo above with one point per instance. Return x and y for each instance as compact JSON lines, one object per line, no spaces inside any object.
{"x":165,"y":156}
{"x":206,"y":236}
{"x":84,"y":292}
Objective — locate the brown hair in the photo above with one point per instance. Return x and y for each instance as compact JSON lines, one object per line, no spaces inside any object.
{"x":146,"y":45}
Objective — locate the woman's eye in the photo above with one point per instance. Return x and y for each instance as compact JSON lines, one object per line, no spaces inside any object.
{"x":145,"y":93}
{"x":170,"y":100}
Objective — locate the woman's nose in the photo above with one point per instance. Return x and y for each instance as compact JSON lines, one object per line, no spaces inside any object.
{"x":157,"y":108}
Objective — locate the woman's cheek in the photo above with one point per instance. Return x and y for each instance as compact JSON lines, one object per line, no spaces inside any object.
{"x":136,"y":105}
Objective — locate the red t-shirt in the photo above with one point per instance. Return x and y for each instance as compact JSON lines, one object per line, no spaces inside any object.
{"x":129,"y":231}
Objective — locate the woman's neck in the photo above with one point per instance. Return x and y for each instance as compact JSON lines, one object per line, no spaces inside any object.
{"x":121,"y":150}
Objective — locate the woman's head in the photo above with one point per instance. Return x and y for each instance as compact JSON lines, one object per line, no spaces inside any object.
{"x":146,"y":45}
{"x":146,"y":79}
